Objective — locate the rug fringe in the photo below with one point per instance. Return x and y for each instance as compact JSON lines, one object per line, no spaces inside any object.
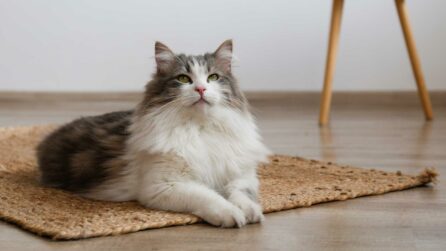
{"x":428,"y":175}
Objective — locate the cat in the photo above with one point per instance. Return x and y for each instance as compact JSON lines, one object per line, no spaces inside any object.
{"x":191,"y":145}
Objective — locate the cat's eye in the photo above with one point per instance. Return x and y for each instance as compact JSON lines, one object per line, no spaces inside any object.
{"x":213,"y":77}
{"x":184,"y":79}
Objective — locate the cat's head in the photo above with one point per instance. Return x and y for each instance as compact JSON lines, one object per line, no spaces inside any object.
{"x":198,"y":83}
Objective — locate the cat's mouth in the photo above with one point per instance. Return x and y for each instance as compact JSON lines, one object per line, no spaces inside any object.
{"x":201,"y":101}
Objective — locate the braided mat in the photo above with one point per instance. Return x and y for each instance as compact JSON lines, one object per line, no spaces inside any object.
{"x":286,"y":182}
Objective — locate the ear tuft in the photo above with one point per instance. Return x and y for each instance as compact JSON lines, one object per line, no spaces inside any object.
{"x":164,"y":57}
{"x":223,"y":55}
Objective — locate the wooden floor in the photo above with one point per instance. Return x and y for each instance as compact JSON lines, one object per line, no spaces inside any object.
{"x":390,"y":135}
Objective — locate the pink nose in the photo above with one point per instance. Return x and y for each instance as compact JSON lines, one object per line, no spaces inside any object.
{"x":200,"y":89}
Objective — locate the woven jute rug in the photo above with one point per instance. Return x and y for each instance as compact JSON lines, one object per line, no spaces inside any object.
{"x":286,"y":182}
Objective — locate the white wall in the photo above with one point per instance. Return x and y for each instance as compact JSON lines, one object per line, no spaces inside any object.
{"x":107,"y":45}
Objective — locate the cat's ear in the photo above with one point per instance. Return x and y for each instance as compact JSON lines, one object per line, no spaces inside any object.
{"x":223,"y":55}
{"x":164,"y":57}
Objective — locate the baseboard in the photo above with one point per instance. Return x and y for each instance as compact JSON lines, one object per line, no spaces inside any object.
{"x":68,"y":96}
{"x":304,"y":97}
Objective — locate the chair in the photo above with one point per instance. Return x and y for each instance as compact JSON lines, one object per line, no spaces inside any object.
{"x":333,"y":42}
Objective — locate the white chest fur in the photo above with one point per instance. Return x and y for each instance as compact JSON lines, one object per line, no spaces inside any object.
{"x":216,"y":147}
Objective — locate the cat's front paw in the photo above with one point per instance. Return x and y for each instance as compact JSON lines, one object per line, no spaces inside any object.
{"x":228,"y":216}
{"x":253,"y":211}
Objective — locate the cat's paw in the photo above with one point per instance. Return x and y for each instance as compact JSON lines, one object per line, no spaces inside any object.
{"x":228,"y":216}
{"x":253,"y":211}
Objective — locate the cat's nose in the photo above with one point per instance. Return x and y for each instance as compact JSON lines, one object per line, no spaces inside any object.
{"x":200,"y":90}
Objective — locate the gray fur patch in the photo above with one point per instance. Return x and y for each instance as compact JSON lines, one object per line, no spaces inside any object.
{"x":79,"y":155}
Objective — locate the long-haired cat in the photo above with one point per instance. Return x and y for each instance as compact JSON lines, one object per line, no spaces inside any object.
{"x":191,"y":145}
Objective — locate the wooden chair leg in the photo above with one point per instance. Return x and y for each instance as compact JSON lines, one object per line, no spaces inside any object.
{"x":333,"y":42}
{"x":414,"y":59}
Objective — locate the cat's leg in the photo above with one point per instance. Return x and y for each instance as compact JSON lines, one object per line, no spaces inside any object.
{"x":167,"y":184}
{"x":191,"y":197}
{"x":242,"y":192}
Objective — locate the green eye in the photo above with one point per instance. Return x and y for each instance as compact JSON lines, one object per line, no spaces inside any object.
{"x":184,"y":79}
{"x":213,"y":77}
